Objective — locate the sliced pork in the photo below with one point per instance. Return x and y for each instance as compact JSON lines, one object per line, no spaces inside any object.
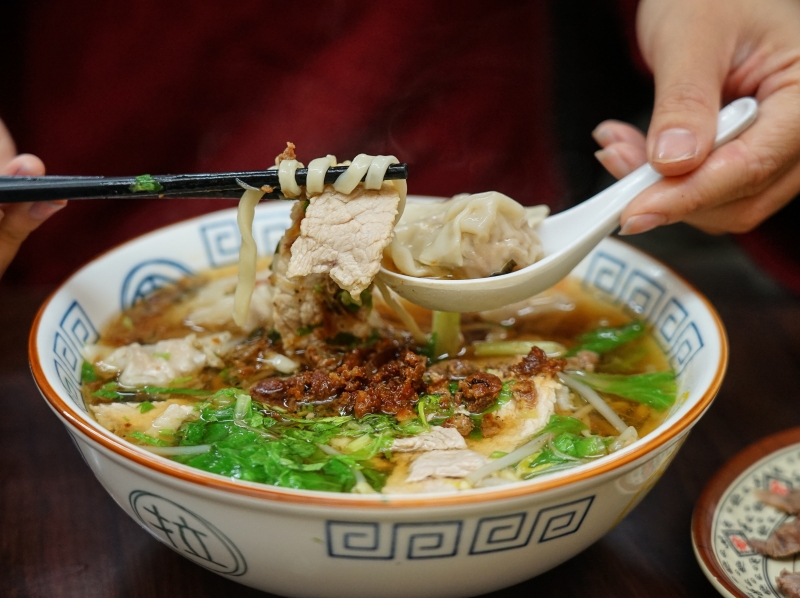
{"x":345,"y":235}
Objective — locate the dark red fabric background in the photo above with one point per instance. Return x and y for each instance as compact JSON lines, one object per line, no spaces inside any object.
{"x":460,"y":91}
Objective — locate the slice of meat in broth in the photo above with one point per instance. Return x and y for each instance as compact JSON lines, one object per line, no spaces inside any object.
{"x":457,"y":463}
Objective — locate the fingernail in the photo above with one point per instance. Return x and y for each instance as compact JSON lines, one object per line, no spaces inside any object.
{"x":642,"y":223}
{"x":604,"y":154}
{"x":44,"y":209}
{"x":675,"y":145}
{"x":23,"y":171}
{"x":603,"y":136}
{"x":612,"y":161}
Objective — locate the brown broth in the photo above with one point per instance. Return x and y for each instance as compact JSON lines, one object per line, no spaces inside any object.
{"x":161,"y":317}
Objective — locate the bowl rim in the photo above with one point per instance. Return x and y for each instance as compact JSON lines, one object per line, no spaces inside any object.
{"x":163,"y":466}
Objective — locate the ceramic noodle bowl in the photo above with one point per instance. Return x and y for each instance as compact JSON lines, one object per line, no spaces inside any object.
{"x":304,"y":543}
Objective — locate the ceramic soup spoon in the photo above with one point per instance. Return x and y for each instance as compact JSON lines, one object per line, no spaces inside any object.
{"x":567,"y":238}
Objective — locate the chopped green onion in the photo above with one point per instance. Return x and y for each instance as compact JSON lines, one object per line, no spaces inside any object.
{"x":145,"y":182}
{"x":87,"y":373}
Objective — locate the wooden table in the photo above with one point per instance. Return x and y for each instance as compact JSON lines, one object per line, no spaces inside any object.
{"x":61,"y":534}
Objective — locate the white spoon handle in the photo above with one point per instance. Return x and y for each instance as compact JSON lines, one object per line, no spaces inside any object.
{"x":607,"y":206}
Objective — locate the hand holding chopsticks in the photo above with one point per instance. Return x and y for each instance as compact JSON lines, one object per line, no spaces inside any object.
{"x":207,"y":185}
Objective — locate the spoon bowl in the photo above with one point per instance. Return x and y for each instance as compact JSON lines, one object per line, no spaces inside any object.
{"x":567,"y":238}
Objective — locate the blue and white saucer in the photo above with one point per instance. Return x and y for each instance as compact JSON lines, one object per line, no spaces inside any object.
{"x":728,"y":516}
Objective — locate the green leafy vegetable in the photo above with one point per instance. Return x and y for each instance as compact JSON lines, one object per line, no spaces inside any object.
{"x":564,"y":450}
{"x":604,"y":340}
{"x":249,"y":441}
{"x":146,"y":406}
{"x":108,"y":391}
{"x":560,"y":424}
{"x":145,"y":182}
{"x":112,"y":391}
{"x":431,"y":412}
{"x":579,"y":447}
{"x":142,"y":437}
{"x":87,"y":373}
{"x":659,"y":390}
{"x":346,"y":299}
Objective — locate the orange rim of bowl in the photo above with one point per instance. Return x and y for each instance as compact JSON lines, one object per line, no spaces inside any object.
{"x":383,"y":501}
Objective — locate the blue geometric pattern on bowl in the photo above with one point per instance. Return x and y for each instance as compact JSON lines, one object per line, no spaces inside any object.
{"x":412,"y":541}
{"x":740,"y":517}
{"x":75,"y":330}
{"x":222,"y":239}
{"x":187,"y":533}
{"x":673,"y":326}
{"x":442,"y":539}
{"x":148,"y":276}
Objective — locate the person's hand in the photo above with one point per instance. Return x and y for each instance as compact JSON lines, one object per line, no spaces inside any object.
{"x":18,"y":220}
{"x":702,"y":54}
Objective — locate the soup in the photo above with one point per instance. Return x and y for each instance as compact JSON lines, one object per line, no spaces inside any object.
{"x":378,"y":412}
{"x":309,"y":374}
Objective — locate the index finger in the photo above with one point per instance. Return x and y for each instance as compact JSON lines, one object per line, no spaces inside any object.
{"x":741,"y":168}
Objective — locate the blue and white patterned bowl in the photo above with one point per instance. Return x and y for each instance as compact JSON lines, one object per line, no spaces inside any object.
{"x":301,"y":543}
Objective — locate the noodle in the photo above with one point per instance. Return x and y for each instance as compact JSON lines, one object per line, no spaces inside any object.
{"x":247,"y":256}
{"x":315,"y":179}
{"x":286,"y":177}
{"x":351,"y":177}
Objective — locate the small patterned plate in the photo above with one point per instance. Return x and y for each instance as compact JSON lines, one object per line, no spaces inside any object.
{"x":728,"y":516}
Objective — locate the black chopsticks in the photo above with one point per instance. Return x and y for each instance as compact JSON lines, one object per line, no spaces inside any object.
{"x":224,"y":185}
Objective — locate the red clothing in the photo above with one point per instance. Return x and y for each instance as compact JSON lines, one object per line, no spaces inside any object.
{"x":459,"y":91}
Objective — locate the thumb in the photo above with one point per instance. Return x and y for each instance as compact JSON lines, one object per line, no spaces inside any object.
{"x":688,"y":52}
{"x":7,"y":148}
